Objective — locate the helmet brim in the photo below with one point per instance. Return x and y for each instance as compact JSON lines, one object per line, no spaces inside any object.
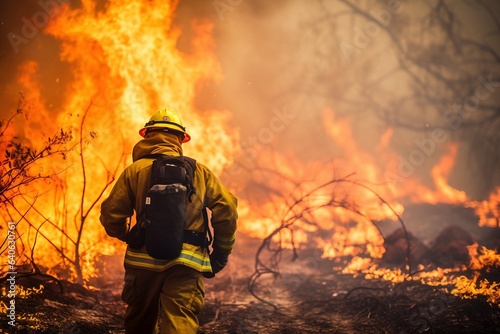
{"x":142,"y":132}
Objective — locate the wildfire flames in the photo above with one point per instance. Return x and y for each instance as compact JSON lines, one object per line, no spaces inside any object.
{"x":471,"y":288}
{"x":124,"y":63}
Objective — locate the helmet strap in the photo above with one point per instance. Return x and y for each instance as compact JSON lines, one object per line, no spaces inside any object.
{"x":153,"y":122}
{"x":174,"y":132}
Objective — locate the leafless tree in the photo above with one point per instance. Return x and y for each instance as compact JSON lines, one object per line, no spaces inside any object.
{"x":18,"y":171}
{"x":298,"y":200}
{"x":16,"y":165}
{"x":65,"y":231}
{"x":416,"y":66}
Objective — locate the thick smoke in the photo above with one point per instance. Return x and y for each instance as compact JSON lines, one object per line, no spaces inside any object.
{"x":400,"y":64}
{"x":285,"y":62}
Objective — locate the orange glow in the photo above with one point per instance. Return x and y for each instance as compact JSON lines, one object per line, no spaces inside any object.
{"x":488,"y":211}
{"x":443,"y":192}
{"x":440,"y":174}
{"x":483,"y":258}
{"x":125,"y":63}
{"x":469,"y":289}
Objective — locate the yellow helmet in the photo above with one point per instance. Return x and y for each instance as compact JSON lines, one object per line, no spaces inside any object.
{"x":165,"y":119}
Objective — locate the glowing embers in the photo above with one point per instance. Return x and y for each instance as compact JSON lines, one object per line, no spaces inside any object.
{"x":486,"y":266}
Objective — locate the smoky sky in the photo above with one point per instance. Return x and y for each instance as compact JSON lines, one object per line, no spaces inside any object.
{"x":289,"y":57}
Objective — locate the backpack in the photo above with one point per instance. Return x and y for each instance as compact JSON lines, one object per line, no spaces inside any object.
{"x":162,"y":218}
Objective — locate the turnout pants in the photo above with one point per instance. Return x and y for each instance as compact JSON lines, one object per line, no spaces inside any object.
{"x":172,"y":298}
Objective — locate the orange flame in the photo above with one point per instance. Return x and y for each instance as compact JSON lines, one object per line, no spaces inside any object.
{"x":440,"y":172}
{"x":125,"y":64}
{"x":469,"y":288}
{"x":488,"y":211}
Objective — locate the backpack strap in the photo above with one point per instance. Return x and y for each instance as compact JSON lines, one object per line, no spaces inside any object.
{"x":191,"y":167}
{"x":208,"y":238}
{"x":141,"y":217}
{"x":208,"y":234}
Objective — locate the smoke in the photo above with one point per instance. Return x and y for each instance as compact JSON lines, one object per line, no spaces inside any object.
{"x":285,"y":62}
{"x":305,"y":57}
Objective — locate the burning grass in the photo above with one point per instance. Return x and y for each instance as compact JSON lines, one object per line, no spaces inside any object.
{"x":310,"y":295}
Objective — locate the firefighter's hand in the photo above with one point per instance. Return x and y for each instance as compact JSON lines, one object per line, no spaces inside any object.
{"x":218,"y":260}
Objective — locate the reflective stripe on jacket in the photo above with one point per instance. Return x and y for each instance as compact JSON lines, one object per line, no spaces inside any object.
{"x":129,"y":193}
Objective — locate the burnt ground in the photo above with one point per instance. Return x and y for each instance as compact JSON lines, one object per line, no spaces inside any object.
{"x":310,"y":295}
{"x":307,"y":298}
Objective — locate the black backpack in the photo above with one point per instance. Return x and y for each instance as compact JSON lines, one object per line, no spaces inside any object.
{"x":160,"y":223}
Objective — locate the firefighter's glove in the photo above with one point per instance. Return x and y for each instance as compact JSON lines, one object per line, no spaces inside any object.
{"x":136,"y":237}
{"x":218,"y":260}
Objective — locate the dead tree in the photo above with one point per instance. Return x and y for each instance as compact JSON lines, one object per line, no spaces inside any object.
{"x":65,"y":231}
{"x":18,"y":172}
{"x":298,"y":213}
{"x":418,"y":67}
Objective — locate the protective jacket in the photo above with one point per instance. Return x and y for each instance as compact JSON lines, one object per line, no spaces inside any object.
{"x":129,"y":193}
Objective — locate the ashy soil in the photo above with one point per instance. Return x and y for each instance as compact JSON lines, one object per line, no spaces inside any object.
{"x":309,"y":295}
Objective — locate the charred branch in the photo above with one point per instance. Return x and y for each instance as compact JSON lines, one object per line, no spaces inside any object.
{"x":298,"y":211}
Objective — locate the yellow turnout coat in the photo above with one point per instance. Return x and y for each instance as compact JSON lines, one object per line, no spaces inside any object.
{"x":129,"y":193}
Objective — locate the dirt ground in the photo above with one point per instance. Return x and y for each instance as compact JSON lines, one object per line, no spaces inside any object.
{"x":310,"y":295}
{"x":309,"y":300}
{"x":325,"y":301}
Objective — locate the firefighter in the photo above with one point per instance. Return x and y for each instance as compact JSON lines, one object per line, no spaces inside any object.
{"x":171,"y":291}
